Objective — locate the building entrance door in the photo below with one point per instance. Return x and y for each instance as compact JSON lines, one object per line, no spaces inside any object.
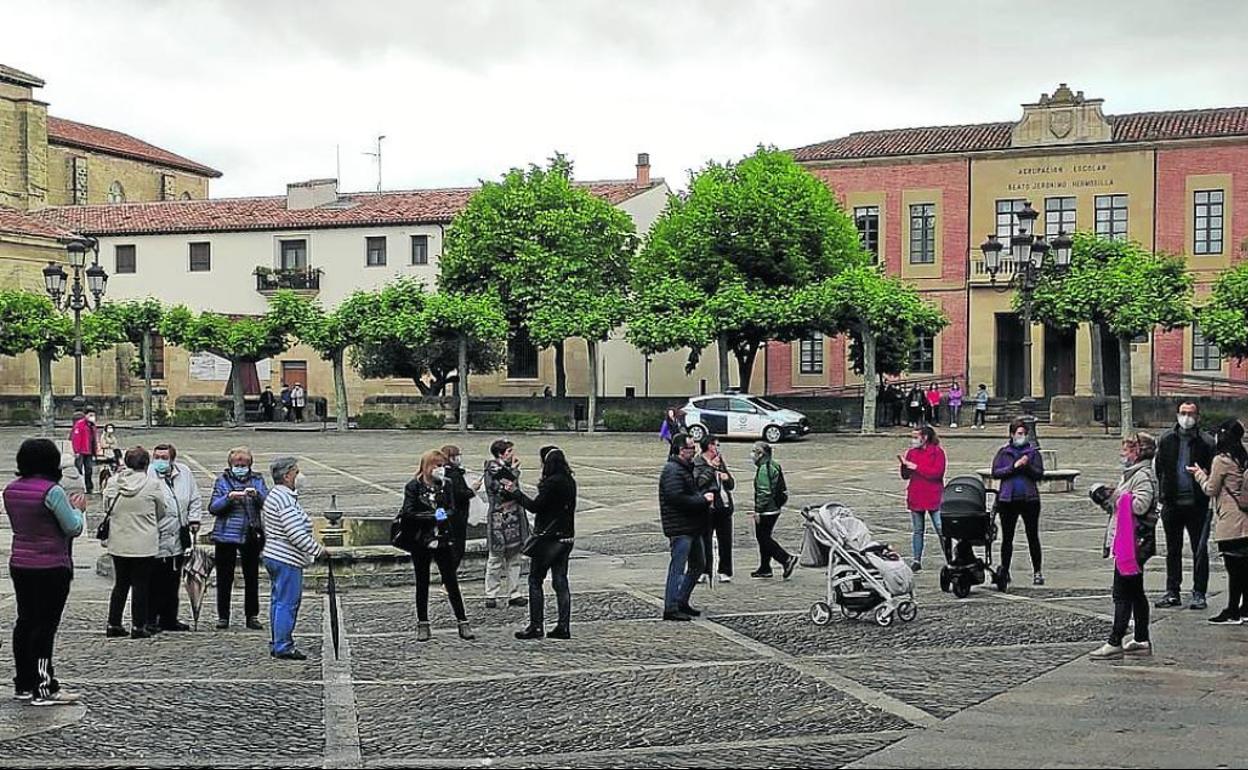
{"x":1009,"y":384}
{"x":295,"y":372}
{"x":1059,"y":362}
{"x":1112,"y":365}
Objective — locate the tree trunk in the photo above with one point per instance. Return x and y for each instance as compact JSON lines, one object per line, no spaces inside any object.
{"x":1098,"y":365}
{"x":561,"y":372}
{"x":236,"y":386}
{"x":592,"y":414}
{"x":1124,"y":389}
{"x":340,"y":389}
{"x":868,"y":379}
{"x":721,"y":344}
{"x":463,"y":383}
{"x":47,"y":405}
{"x":745,"y":365}
{"x":147,"y":378}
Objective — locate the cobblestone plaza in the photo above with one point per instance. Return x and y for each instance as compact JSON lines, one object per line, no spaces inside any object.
{"x":996,"y":680}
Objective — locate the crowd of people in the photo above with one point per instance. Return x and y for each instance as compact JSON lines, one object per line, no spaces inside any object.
{"x":931,"y":406}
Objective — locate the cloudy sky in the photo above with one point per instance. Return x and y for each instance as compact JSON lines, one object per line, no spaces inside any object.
{"x":264,"y":90}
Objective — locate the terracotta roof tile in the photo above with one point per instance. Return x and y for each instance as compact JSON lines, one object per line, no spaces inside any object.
{"x":270,"y":213}
{"x":981,"y":137}
{"x":74,"y":134}
{"x":17,"y":222}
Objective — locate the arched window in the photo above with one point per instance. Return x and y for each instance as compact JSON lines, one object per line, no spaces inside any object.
{"x":186,"y":196}
{"x":116,"y":193}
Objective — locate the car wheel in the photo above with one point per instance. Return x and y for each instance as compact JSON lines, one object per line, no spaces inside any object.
{"x":697,"y":432}
{"x":772,"y":434}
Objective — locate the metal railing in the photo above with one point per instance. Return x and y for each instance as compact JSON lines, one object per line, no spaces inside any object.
{"x":297,"y":279}
{"x":855,"y":390}
{"x":1174,"y":384}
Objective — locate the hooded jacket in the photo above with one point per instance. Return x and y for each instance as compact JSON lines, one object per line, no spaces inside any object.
{"x":134,"y":503}
{"x":1140,"y":482}
{"x":927,"y":481}
{"x":183,"y":503}
{"x":1226,"y":487}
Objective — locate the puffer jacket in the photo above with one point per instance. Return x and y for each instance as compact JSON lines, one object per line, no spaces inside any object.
{"x":1225,"y":486}
{"x":682,"y":509}
{"x":707,"y":479}
{"x":1140,"y":481}
{"x":236,"y":519}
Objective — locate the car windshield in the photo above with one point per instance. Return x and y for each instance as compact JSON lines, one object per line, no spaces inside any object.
{"x":764,"y":404}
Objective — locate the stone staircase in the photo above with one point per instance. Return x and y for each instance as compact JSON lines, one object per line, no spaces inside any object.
{"x":1001,"y":410}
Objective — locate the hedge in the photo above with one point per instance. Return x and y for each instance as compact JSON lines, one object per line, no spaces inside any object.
{"x":426,"y":421}
{"x":377,"y":421}
{"x":22,"y":416}
{"x":198,"y":418}
{"x":825,"y":420}
{"x":632,"y":422}
{"x":509,"y":421}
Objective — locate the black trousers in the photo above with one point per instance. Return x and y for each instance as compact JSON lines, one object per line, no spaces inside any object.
{"x":768,"y":548}
{"x":229,"y":554}
{"x":86,"y":467}
{"x":1129,"y":599}
{"x":553,"y":558}
{"x":448,"y":565}
{"x":133,"y":579}
{"x":41,"y":595}
{"x":163,"y":594}
{"x":1010,"y":512}
{"x":980,"y":416}
{"x":459,"y":535}
{"x":268,"y":414}
{"x":1236,"y":584}
{"x":1190,"y":519}
{"x":721,"y":529}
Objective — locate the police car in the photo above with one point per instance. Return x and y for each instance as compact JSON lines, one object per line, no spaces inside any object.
{"x":739,"y":415}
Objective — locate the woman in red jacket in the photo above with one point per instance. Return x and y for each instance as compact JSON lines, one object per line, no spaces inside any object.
{"x":924,"y":467}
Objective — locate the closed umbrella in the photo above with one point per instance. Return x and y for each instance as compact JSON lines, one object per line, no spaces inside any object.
{"x":332,"y":589}
{"x":198,"y":567}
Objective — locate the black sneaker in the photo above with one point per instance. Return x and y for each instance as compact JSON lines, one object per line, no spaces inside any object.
{"x":518,"y":601}
{"x":176,"y":627}
{"x":1198,"y":602}
{"x":291,"y":654}
{"x":560,"y":633}
{"x":761,"y":574}
{"x":788,"y":568}
{"x":223,"y":624}
{"x":1226,"y":618}
{"x":140,"y":633}
{"x":254,"y":624}
{"x":116,"y":632}
{"x":691,"y":612}
{"x":530,"y":633}
{"x":1169,"y":600}
{"x":677,"y":616}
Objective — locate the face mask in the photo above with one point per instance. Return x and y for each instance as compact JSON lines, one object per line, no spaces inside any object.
{"x":457,"y":461}
{"x":241,"y":471}
{"x":301,"y":482}
{"x":1020,"y":441}
{"x":1187,"y":422}
{"x":1127,"y":462}
{"x":161,"y":466}
{"x":109,"y":431}
{"x":91,"y":419}
{"x":439,"y":473}
{"x":916,"y":442}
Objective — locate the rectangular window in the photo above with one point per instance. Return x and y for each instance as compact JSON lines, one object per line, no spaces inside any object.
{"x":1208,"y":222}
{"x":811,"y":354}
{"x":294,"y":254}
{"x":201,"y":257}
{"x":521,"y":357}
{"x":923,"y":234}
{"x":1111,"y":217}
{"x":420,"y":249}
{"x":375,"y":251}
{"x":923,"y":356}
{"x":867,"y":218}
{"x":1007,"y":218}
{"x":126,"y":259}
{"x":158,"y":357}
{"x":1206,"y":357}
{"x":1059,"y":216}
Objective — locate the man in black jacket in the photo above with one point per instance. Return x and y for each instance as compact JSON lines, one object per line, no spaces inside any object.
{"x":684,"y":514}
{"x":1184,"y":506}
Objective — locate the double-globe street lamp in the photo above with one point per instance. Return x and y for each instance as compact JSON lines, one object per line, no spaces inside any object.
{"x":54,"y":281}
{"x":1028,"y":253}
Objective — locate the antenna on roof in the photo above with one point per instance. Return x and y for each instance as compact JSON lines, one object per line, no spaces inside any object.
{"x":338,"y":163}
{"x":377,"y":155}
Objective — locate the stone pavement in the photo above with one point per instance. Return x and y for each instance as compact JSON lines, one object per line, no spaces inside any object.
{"x":992,"y":681}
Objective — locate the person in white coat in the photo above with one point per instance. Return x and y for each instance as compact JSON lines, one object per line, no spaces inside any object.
{"x":178,"y":528}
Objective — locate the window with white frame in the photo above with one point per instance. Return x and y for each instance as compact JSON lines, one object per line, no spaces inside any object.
{"x":810,"y":354}
{"x":1007,"y":218}
{"x":1206,"y":357}
{"x":923,"y":355}
{"x":1208,"y":207}
{"x":1111,"y":217}
{"x":1059,"y":216}
{"x":923,"y":234}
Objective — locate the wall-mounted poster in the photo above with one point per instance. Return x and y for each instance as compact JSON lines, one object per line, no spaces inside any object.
{"x":206,"y":367}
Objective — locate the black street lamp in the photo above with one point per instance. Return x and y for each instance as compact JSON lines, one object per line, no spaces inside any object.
{"x":1028,"y":253}
{"x":55,"y":280}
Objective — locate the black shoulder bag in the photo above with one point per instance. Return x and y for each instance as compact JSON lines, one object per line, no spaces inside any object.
{"x":101,"y":532}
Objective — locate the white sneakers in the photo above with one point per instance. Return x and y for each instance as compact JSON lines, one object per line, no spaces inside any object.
{"x":59,"y":698}
{"x":1132,"y":648}
{"x":1107,"y":651}
{"x":725,"y":578}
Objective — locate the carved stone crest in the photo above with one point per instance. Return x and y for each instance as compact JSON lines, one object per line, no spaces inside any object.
{"x":1060,"y":123}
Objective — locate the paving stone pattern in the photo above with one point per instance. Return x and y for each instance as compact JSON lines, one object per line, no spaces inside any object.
{"x":364,"y":617}
{"x":824,"y":754}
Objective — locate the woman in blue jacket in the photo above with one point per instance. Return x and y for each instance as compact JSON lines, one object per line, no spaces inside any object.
{"x":237,"y":501}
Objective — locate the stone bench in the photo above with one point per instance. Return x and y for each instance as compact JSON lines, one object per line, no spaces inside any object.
{"x":1053,"y":481}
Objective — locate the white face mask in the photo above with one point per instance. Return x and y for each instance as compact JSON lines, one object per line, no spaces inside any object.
{"x":916,"y":442}
{"x":301,"y":482}
{"x":439,"y":473}
{"x":1187,"y":422}
{"x":1020,"y":441}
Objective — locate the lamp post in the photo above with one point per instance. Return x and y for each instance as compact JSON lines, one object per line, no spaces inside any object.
{"x":54,"y":281}
{"x":1028,"y":253}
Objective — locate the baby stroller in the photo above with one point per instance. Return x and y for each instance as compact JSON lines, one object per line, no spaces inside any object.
{"x":862,"y":578}
{"x":966,"y":517}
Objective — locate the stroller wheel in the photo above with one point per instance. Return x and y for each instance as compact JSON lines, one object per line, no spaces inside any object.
{"x":820,"y":613}
{"x":884,"y":616}
{"x":907,"y":611}
{"x":961,"y":588}
{"x":944,"y":580}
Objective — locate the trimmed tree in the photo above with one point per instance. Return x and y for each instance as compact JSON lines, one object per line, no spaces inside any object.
{"x":532,"y":232}
{"x":467,"y":321}
{"x":242,"y":341}
{"x":138,"y":321}
{"x":746,"y":237}
{"x":1224,"y":319}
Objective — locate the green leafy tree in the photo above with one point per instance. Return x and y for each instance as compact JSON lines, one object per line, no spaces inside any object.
{"x":138,"y":320}
{"x":527,"y":237}
{"x":242,"y":341}
{"x":1120,"y":286}
{"x":744,"y":239}
{"x":469,"y":321}
{"x":1224,"y":320}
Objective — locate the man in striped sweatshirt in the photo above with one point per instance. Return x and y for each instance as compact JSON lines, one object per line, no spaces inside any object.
{"x":288,"y":548}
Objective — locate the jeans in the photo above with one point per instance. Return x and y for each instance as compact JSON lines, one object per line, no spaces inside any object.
{"x":687,"y":563}
{"x":919,"y":529}
{"x":768,"y":548}
{"x":496,"y":567}
{"x":980,"y":416}
{"x":552,"y":557}
{"x":41,"y":595}
{"x":1009,"y":512}
{"x":721,"y":530}
{"x":131,"y":577}
{"x":163,"y":594}
{"x":448,"y":565}
{"x":954,"y":413}
{"x":86,"y":467}
{"x":1129,"y":599}
{"x":227,"y":555}
{"x":1176,"y":520}
{"x":287,"y":595}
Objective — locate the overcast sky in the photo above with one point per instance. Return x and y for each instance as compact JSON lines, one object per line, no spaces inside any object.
{"x":464,"y":89}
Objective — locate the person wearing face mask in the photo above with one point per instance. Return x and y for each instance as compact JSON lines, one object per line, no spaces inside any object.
{"x":238,"y":534}
{"x":85,"y":440}
{"x":134,"y":503}
{"x":1184,"y":505}
{"x":1018,"y":467}
{"x":507,"y":527}
{"x":923,"y":466}
{"x":110,"y":450}
{"x":289,"y":549}
{"x":712,"y":475}
{"x":771,"y":492}
{"x":1131,"y":539}
{"x":184,"y":511}
{"x":555,"y":507}
{"x":1227,"y":486}
{"x":684,"y":513}
{"x":426,"y":534}
{"x":461,"y":498}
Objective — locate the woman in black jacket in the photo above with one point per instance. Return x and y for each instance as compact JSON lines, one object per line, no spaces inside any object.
{"x":551,"y":543}
{"x":461,"y":498}
{"x":425,"y":532}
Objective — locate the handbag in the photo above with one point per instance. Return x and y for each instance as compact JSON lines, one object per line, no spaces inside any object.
{"x":101,"y":532}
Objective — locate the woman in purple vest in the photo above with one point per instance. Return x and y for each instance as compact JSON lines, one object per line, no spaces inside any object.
{"x":45,"y":520}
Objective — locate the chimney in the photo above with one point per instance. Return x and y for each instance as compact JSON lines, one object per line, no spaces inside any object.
{"x":311,"y":194}
{"x":643,"y":169}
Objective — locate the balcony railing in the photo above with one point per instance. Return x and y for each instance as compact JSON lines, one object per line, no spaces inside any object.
{"x":980,"y":274}
{"x":269,"y":280}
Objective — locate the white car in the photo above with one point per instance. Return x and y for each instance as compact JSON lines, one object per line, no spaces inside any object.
{"x":737,"y":415}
